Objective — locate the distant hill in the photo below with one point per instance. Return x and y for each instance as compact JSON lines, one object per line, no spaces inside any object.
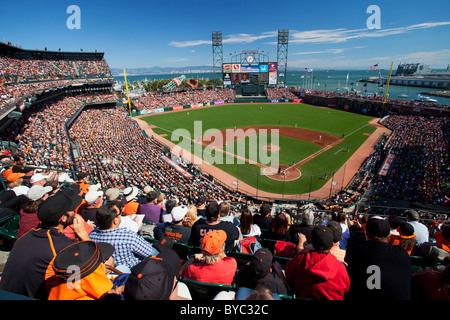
{"x":161,"y":70}
{"x":169,"y":70}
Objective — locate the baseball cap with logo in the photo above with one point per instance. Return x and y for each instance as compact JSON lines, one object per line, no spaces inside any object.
{"x":153,"y":278}
{"x":213,"y":241}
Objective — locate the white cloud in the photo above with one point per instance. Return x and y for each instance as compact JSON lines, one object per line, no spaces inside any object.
{"x":436,"y":59}
{"x":344,"y":35}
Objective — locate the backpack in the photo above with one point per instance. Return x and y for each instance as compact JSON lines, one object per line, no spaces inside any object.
{"x":248,"y":245}
{"x":284,"y":249}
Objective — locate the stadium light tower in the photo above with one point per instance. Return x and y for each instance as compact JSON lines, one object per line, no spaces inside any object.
{"x":217,"y":50}
{"x":282,"y":53}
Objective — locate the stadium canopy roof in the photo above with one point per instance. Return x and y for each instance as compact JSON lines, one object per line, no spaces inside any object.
{"x":17,"y":52}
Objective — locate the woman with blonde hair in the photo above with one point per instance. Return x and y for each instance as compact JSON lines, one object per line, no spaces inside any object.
{"x":191,"y":216}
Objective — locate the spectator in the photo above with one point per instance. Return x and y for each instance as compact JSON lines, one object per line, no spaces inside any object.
{"x":92,"y":283}
{"x":278,"y":229}
{"x":431,"y":284}
{"x":306,"y":226}
{"x":151,"y":211}
{"x":25,"y":270}
{"x":212,"y":222}
{"x":28,"y":214}
{"x":443,"y":238}
{"x":15,"y":183}
{"x":224,"y":213}
{"x":421,"y":231}
{"x":337,"y":236}
{"x":131,"y":207}
{"x":201,"y":206}
{"x":191,"y":216}
{"x":317,"y":274}
{"x":215,"y":266}
{"x":155,"y":278}
{"x":246,"y":226}
{"x":130,"y":248}
{"x":94,"y":200}
{"x":260,"y":272}
{"x":39,"y":179}
{"x":390,"y":280}
{"x":264,"y":217}
{"x":175,"y":230}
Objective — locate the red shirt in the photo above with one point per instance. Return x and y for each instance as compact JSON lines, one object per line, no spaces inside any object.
{"x":221,"y":272}
{"x":27,"y":222}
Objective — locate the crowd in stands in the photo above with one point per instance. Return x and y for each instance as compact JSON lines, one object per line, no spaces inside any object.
{"x":280,"y":94}
{"x":378,"y":98}
{"x":126,"y":242}
{"x":151,"y":100}
{"x":33,"y":69}
{"x":420,"y":168}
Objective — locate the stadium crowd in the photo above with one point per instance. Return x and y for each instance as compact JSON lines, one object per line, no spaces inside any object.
{"x":378,"y":98}
{"x":252,"y":250}
{"x":420,"y":169}
{"x":151,"y":100}
{"x":33,"y":69}
{"x":279,"y":94}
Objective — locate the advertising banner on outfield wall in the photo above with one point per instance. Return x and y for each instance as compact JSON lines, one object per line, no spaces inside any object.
{"x":196,"y":105}
{"x":177,"y":108}
{"x":273,"y":77}
{"x":152,"y":111}
{"x":219,"y":102}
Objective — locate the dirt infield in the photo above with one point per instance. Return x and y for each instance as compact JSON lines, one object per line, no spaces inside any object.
{"x":290,"y":173}
{"x":319,"y":138}
{"x":343,"y":176}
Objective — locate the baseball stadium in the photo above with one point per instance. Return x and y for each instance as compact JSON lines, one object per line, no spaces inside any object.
{"x":85,"y":162}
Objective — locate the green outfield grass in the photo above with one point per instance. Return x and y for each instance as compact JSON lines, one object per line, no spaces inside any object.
{"x":330,"y":121}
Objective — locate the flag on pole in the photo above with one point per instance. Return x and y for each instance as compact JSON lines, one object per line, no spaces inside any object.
{"x":305,"y":69}
{"x":310,"y":70}
{"x":374,"y":67}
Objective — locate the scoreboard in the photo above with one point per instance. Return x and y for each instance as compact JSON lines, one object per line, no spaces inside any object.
{"x":237,"y":73}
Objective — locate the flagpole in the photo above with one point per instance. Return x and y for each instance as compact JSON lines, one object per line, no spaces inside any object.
{"x":126,"y":86}
{"x":387,"y":88}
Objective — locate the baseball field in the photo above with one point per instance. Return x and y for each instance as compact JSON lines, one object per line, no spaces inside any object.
{"x":279,"y":148}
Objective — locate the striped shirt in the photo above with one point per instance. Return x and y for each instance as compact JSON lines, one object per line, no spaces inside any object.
{"x":130,"y":248}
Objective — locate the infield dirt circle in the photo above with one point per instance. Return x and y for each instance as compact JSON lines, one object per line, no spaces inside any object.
{"x":285,"y":172}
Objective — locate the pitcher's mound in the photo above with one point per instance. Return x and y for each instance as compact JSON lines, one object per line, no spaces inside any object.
{"x":271,"y":148}
{"x":285,"y":173}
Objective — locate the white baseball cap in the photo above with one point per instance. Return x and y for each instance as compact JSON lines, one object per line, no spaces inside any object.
{"x":38,"y":177}
{"x":179,"y":212}
{"x":91,"y":196}
{"x":37,"y":192}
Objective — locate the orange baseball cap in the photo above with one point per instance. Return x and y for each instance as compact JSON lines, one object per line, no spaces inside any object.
{"x":6,"y":173}
{"x":14,"y":176}
{"x":212,"y":242}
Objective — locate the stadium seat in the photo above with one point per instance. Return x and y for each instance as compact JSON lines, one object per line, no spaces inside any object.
{"x":241,"y":258}
{"x":9,"y":226}
{"x":182,"y":249}
{"x":205,"y":291}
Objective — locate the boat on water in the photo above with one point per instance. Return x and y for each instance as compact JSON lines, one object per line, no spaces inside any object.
{"x":425,"y":98}
{"x":403,"y":95}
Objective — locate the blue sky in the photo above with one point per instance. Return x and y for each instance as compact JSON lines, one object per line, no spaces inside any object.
{"x":323,"y":33}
